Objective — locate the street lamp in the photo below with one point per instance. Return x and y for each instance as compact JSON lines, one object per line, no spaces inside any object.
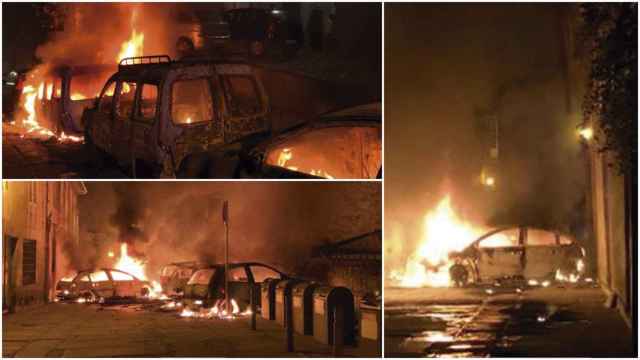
{"x":585,"y":132}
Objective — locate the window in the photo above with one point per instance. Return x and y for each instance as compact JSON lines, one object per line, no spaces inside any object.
{"x":202,"y":277}
{"x":238,"y":274}
{"x":120,"y":276}
{"x":341,"y":152}
{"x":260,"y":273}
{"x":57,"y":87}
{"x":191,"y":102}
{"x":148,"y":102}
{"x":107,"y":98}
{"x":124,"y":107}
{"x":85,"y":279}
{"x":243,"y":97}
{"x":99,"y":275}
{"x":28,"y":262}
{"x":505,"y":238}
{"x":168,"y":271}
{"x":537,"y":237}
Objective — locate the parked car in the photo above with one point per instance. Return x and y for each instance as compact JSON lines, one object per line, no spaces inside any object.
{"x":102,"y":284}
{"x":206,"y":286}
{"x":344,"y":144}
{"x":188,"y":118}
{"x":518,"y":252}
{"x":174,"y":276}
{"x":262,"y":31}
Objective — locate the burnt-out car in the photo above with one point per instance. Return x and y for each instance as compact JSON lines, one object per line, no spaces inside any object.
{"x":174,"y":276}
{"x":343,"y":144}
{"x":106,"y":284}
{"x":207,"y":286}
{"x":520,"y":253}
{"x":188,"y":118}
{"x":68,"y":91}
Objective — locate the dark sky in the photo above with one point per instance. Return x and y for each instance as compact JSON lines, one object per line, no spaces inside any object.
{"x":445,"y":65}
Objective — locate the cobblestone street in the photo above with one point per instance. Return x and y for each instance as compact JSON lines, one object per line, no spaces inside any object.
{"x":77,"y":330}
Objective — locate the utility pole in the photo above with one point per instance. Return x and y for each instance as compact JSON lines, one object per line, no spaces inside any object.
{"x":225,"y":218}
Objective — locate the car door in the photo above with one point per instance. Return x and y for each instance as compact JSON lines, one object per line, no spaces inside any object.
{"x":500,"y":254}
{"x":239,"y":285}
{"x":259,"y":273}
{"x":145,"y":119}
{"x":122,"y":115}
{"x":101,"y":284}
{"x":125,"y":285}
{"x":543,"y":253}
{"x":101,"y":117}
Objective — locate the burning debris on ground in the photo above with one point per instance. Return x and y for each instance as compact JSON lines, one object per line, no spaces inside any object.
{"x":78,"y":79}
{"x":495,"y":186}
{"x":214,"y":254}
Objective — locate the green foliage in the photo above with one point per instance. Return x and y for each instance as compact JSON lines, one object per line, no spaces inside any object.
{"x":611,"y":35}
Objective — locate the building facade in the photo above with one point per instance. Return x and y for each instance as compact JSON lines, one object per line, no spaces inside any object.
{"x":39,"y":220}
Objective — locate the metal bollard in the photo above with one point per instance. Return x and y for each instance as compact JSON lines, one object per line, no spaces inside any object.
{"x":253,"y":307}
{"x":338,"y":330}
{"x":288,"y":321}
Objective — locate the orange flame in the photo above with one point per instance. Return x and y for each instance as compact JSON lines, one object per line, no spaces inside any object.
{"x":132,"y":47}
{"x":443,"y":233}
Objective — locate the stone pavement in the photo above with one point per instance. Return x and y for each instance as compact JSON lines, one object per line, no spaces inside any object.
{"x":80,"y":330}
{"x":540,"y":322}
{"x":31,"y":157}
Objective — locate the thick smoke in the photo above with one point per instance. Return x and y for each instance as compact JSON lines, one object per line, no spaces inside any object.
{"x":93,"y":33}
{"x":275,"y":223}
{"x":449,"y":69}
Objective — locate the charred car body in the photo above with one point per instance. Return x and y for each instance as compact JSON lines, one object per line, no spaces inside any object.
{"x":345,"y":144}
{"x":105,"y":284}
{"x":178,"y":118}
{"x":174,"y":276}
{"x":206,"y":286}
{"x":517,"y":253}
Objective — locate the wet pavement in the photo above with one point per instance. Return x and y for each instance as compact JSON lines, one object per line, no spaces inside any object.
{"x":143,"y":330}
{"x":480,"y":322}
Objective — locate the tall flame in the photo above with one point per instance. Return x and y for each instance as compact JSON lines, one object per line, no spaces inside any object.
{"x":443,"y":233}
{"x":132,"y":47}
{"x":128,"y":264}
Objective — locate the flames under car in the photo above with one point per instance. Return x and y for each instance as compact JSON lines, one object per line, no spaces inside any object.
{"x":518,"y":253}
{"x":101,"y":285}
{"x":206,"y":286}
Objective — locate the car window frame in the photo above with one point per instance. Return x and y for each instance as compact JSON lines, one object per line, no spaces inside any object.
{"x":137,"y":116}
{"x":212,"y":92}
{"x":556,"y":237}
{"x":228,"y":97}
{"x":253,"y":279}
{"x":103,"y":93}
{"x":497,"y":231}
{"x":117,"y":99}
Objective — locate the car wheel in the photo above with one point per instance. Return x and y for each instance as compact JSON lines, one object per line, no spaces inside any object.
{"x":459,"y":275}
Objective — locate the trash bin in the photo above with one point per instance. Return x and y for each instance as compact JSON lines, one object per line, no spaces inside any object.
{"x":333,"y":312}
{"x":303,"y":307}
{"x":370,"y":321}
{"x":268,"y":298}
{"x":283,"y":289}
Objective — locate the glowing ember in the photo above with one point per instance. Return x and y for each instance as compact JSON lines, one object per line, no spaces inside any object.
{"x":444,"y":233}
{"x":287,"y":154}
{"x":217,"y":311}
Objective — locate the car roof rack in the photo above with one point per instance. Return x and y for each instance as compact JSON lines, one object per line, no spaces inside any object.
{"x":144,"y":60}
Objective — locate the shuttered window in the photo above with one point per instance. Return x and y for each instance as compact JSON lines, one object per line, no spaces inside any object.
{"x":28,"y":262}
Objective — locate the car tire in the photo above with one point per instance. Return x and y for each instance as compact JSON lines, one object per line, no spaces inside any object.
{"x":459,"y":275}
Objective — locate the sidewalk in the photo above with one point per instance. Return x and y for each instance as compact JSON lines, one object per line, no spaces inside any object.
{"x":77,"y":330}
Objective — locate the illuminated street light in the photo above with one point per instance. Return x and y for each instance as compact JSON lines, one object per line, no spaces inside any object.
{"x":586,"y":133}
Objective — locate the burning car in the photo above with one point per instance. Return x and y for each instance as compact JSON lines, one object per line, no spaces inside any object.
{"x":206,"y":286}
{"x":187,"y":118}
{"x":518,"y":253}
{"x":174,"y":276}
{"x":344,"y":144}
{"x":107,"y":284}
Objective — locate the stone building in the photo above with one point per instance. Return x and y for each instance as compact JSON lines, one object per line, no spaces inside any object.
{"x":612,"y":206}
{"x":39,"y":220}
